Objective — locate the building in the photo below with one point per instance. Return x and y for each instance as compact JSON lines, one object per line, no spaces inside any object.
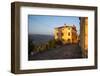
{"x":84,"y":35}
{"x":66,"y":34}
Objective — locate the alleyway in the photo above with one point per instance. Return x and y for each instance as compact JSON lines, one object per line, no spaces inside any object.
{"x":70,"y":51}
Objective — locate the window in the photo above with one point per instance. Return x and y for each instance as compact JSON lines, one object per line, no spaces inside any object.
{"x":68,"y":33}
{"x":60,"y":34}
{"x":72,"y":39}
{"x":68,"y":28}
{"x":69,"y":40}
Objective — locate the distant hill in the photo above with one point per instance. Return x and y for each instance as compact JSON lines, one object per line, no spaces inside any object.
{"x":38,"y":39}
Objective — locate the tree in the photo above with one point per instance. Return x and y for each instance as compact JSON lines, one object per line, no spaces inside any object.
{"x":52,"y":43}
{"x":30,"y":46}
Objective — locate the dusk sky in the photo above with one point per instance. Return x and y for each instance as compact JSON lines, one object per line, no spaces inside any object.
{"x":45,"y":24}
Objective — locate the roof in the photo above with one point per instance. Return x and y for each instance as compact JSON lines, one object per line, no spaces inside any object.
{"x":72,"y":26}
{"x":65,"y":26}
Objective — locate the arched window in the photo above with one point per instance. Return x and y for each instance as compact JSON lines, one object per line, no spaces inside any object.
{"x":68,"y":33}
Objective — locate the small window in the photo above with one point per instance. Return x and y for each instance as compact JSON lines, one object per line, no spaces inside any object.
{"x":68,"y":33}
{"x":69,"y":40}
{"x":60,"y":34}
{"x":57,"y":34}
{"x":68,"y":28}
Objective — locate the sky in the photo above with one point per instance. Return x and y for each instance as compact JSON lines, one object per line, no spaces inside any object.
{"x":45,"y":24}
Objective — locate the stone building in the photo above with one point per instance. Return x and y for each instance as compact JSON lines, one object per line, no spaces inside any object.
{"x":66,"y":34}
{"x":84,"y":35}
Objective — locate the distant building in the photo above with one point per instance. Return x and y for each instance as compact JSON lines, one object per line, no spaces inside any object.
{"x":84,"y":35}
{"x":66,"y":34}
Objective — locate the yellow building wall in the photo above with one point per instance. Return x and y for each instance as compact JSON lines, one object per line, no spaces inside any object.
{"x":72,"y":38}
{"x":65,"y":36}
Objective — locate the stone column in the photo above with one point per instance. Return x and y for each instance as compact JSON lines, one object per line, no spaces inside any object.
{"x":84,"y":36}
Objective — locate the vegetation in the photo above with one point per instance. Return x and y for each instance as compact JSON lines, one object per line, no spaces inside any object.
{"x":33,"y":48}
{"x":30,"y":46}
{"x":52,"y":43}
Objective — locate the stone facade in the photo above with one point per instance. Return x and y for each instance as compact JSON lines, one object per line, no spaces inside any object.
{"x":84,"y":35}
